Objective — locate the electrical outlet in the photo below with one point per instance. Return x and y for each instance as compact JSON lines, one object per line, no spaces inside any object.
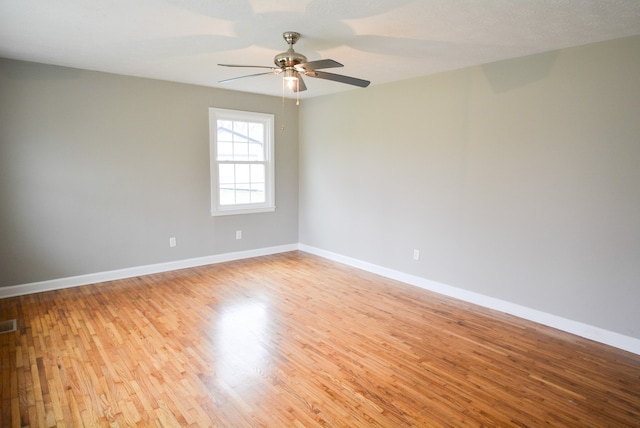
{"x":172,"y":242}
{"x":416,"y":254}
{"x":238,"y":234}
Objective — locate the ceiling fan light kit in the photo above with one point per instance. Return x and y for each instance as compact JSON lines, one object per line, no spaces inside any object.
{"x":293,"y":65}
{"x":290,"y":77}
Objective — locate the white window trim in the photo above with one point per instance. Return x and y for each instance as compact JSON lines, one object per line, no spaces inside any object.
{"x":268,"y":120}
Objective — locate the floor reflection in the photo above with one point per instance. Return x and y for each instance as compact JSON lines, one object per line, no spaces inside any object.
{"x":242,"y":341}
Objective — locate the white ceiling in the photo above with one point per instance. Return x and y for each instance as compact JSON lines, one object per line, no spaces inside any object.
{"x":377,"y":40}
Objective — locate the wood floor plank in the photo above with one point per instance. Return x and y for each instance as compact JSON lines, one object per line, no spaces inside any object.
{"x":293,"y":340}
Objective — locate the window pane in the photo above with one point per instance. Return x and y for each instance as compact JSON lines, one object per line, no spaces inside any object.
{"x":257,"y":193}
{"x":243,"y":174}
{"x":256,"y":132}
{"x":227,"y":124}
{"x":225,"y":150}
{"x":225,"y":127}
{"x":241,"y":151}
{"x":227,"y":196}
{"x":256,"y":151}
{"x":240,"y":141}
{"x":226,"y":174}
{"x":241,"y":183}
{"x":257,"y":173}
{"x":240,"y":132}
{"x":243,"y":194}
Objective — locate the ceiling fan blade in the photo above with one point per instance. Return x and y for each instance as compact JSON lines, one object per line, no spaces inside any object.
{"x":338,"y":78}
{"x":319,"y":64}
{"x":249,"y":66}
{"x":249,"y":75}
{"x":300,"y":86}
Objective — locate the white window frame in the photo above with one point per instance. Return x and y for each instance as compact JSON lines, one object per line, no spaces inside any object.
{"x":268,"y":121}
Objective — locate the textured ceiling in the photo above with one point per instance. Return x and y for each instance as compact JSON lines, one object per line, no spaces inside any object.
{"x":377,"y":40}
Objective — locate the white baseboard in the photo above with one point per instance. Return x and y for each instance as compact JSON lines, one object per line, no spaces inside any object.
{"x":587,"y":331}
{"x":93,"y":278}
{"x":597,"y":334}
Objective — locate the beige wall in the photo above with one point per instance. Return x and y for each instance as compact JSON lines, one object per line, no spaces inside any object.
{"x":518,"y":180}
{"x":98,"y":171}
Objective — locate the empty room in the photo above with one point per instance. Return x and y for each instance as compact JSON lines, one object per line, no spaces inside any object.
{"x":320,"y":213}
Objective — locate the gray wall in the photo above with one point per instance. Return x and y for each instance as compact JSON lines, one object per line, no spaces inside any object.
{"x":97,"y":171}
{"x":519,"y":180}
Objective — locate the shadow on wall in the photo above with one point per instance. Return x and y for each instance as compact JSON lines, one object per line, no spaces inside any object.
{"x":507,"y":75}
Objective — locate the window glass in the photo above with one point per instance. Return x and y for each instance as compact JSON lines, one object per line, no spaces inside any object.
{"x":241,"y":162}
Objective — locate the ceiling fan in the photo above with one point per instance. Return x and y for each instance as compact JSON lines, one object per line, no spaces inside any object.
{"x":293,"y":66}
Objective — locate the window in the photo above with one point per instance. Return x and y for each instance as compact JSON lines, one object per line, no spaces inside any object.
{"x":241,"y":150}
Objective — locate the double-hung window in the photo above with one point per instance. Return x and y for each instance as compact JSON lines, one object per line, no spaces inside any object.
{"x":241,"y":150}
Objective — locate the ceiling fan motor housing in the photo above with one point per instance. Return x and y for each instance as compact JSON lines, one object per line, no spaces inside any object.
{"x":290,"y":58}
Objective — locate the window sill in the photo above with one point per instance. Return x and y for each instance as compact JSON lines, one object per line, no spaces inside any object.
{"x":236,"y":211}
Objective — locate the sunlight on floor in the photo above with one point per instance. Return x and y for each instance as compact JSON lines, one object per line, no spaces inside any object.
{"x":242,"y":339}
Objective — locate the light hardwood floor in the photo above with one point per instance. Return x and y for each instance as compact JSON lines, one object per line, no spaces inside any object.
{"x":294,"y":340}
